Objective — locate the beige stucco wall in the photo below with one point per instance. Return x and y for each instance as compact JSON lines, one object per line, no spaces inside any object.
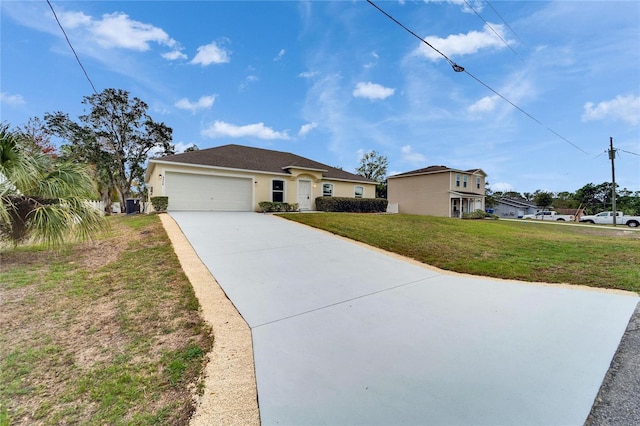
{"x":471,"y":183}
{"x":262,"y":189}
{"x":430,"y":194}
{"x":422,"y":194}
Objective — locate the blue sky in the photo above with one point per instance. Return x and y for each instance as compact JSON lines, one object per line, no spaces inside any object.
{"x":331,"y":80}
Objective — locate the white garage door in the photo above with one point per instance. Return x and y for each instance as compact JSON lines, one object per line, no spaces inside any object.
{"x":203,"y":192}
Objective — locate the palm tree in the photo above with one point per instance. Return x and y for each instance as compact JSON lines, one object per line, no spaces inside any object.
{"x":43,"y":199}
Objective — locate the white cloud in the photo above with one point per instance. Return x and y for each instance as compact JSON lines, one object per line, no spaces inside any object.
{"x":373,"y":63}
{"x":12,"y":100}
{"x":173,"y":55}
{"x":248,"y":80}
{"x":211,"y":54}
{"x":372,"y":91}
{"x":518,"y":88}
{"x":410,"y":156}
{"x":71,"y":20}
{"x":118,"y":30}
{"x":220,"y":129}
{"x":306,"y":128}
{"x":623,"y":108}
{"x":205,"y":102}
{"x":488,"y":103}
{"x":466,"y":5}
{"x":308,"y":74}
{"x":463,"y":44}
{"x":501,"y":187}
{"x":280,"y":55}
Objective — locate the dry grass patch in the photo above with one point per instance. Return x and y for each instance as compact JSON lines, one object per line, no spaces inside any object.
{"x":105,"y":332}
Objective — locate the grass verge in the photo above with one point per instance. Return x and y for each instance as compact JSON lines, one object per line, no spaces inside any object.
{"x":105,"y":332}
{"x":525,"y":251}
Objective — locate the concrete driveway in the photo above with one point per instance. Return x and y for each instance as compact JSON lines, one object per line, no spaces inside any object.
{"x":344,"y":334}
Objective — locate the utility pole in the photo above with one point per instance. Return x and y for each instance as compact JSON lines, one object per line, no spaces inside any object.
{"x":612,"y":156}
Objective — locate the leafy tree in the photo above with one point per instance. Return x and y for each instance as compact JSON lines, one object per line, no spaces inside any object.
{"x":565,"y":200}
{"x":191,"y":148}
{"x":628,"y":202}
{"x":542,"y":199}
{"x":514,"y":195}
{"x":41,"y":198}
{"x":490,"y":198}
{"x":82,"y":146}
{"x":595,"y":197}
{"x":117,"y":136}
{"x":36,"y":138}
{"x":374,"y":166}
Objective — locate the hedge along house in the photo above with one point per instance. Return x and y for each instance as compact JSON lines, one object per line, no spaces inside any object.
{"x":438,"y":191}
{"x":237,"y":178}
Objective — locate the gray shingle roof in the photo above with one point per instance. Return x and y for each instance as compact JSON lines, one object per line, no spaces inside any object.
{"x":434,"y":169}
{"x":257,"y":159}
{"x":429,"y":169}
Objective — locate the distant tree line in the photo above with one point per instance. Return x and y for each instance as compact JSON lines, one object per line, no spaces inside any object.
{"x":592,"y":198}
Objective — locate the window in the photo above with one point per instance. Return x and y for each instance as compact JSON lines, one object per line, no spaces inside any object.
{"x":457,"y":180}
{"x":478,"y":182}
{"x":359,"y":192}
{"x":327,"y":190}
{"x":277,"y":191}
{"x":464,"y":181}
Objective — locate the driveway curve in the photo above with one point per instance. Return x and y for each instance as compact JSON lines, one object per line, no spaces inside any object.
{"x":346,"y":334}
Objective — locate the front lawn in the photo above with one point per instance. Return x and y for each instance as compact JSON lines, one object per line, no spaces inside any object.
{"x":105,"y":332}
{"x":527,"y":251}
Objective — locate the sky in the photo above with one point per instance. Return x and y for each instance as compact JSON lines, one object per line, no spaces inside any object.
{"x":545,"y":84}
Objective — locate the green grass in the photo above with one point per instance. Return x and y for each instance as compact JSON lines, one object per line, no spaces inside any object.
{"x":527,"y":251}
{"x":107,"y":332}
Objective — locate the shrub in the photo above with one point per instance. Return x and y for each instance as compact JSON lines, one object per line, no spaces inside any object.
{"x":479,"y":214}
{"x":351,"y":205}
{"x":160,"y":204}
{"x":275,"y":206}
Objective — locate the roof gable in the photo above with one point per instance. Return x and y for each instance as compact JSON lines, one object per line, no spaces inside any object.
{"x":257,"y":159}
{"x":438,"y":169}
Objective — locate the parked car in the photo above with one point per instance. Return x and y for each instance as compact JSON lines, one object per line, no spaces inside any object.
{"x":606,"y":218}
{"x":550,"y":215}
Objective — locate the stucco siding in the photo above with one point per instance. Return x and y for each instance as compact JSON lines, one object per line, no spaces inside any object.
{"x":347,"y":189}
{"x":421,"y":194}
{"x":262,"y":182}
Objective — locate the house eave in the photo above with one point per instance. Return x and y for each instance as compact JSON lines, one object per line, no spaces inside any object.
{"x":447,"y":170}
{"x":154,"y":162}
{"x":204,"y":166}
{"x":467,"y":194}
{"x":305,"y":168}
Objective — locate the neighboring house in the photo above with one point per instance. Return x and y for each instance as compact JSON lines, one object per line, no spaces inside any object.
{"x":510,"y":207}
{"x":237,"y":178}
{"x":437,"y":191}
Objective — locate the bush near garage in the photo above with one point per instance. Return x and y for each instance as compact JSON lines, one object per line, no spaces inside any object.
{"x":351,"y":205}
{"x":160,"y":204}
{"x":271,"y":207}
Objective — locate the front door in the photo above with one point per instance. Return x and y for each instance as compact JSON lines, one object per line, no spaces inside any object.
{"x":304,"y":194}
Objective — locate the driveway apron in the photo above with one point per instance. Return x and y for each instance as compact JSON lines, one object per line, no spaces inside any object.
{"x":345,"y":334}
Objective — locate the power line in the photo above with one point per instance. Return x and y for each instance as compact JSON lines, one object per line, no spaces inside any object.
{"x":492,"y":29}
{"x":72,"y":49}
{"x":503,"y":20}
{"x":458,"y":68}
{"x":628,"y":152}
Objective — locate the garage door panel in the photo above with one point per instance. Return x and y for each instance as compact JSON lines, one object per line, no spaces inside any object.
{"x":206,"y":192}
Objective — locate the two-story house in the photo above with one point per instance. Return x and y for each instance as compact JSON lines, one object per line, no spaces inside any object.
{"x":437,"y":191}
